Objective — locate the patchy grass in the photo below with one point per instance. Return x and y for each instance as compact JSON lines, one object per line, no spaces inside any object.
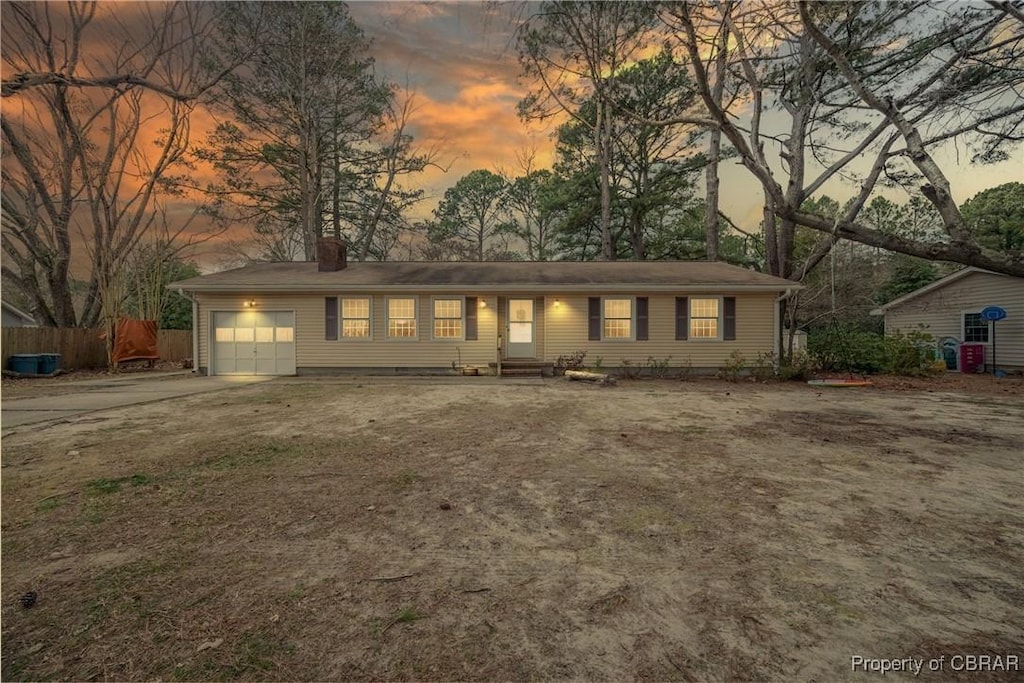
{"x":439,"y":530}
{"x":49,"y":504}
{"x":406,"y":616}
{"x":103,"y":486}
{"x":249,"y":454}
{"x":406,"y":480}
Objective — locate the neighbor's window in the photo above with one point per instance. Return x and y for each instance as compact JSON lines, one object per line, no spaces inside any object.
{"x":401,"y":318}
{"x":975,"y":328}
{"x":704,"y":318}
{"x":447,"y":318}
{"x":355,"y":318}
{"x":618,"y":318}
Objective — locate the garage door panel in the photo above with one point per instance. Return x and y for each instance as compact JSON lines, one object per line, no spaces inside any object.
{"x":253,"y":343}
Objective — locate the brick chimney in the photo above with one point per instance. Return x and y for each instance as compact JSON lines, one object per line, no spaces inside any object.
{"x":331,"y":254}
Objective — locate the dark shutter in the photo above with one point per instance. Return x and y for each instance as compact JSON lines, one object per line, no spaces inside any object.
{"x":331,"y":318}
{"x":594,"y":309}
{"x":682,"y":318}
{"x":729,"y":319}
{"x":471,"y":332}
{"x":641,"y":318}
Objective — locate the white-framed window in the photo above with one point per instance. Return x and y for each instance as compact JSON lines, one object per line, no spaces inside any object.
{"x":706,"y":318}
{"x":975,"y":328}
{"x":449,"y":321}
{"x":617,"y":318}
{"x":402,"y":317}
{"x":356,"y":321}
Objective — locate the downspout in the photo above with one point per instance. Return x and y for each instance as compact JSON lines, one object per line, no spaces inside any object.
{"x":778,"y":325}
{"x":195,"y":332}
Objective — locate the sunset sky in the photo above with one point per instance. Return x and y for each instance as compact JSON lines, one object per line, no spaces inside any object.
{"x":461,"y":60}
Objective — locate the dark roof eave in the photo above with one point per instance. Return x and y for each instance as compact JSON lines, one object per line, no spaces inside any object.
{"x":496,"y":288}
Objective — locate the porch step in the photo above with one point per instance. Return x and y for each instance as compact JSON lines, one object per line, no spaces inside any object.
{"x":525,"y":368}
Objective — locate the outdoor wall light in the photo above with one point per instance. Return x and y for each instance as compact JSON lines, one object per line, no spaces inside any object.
{"x":483,"y":303}
{"x":556,"y":303}
{"x":251,"y":303}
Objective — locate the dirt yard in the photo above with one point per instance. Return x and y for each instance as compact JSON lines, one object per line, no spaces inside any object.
{"x":430,"y":529}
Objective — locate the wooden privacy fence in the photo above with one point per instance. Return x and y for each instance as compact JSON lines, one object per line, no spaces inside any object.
{"x":83,"y":348}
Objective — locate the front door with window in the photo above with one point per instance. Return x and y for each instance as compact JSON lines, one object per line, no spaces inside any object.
{"x":520,"y":339}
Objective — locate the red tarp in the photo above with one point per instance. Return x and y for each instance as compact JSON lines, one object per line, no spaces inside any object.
{"x":135,"y":340}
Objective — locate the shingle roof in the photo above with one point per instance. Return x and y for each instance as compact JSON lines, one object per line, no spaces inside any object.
{"x":488,"y":275}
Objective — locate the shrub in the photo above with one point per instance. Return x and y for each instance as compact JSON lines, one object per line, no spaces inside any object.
{"x":767,"y":366}
{"x":908,"y":354}
{"x":658,"y":367}
{"x":628,"y":369}
{"x":842,"y":349}
{"x":763,"y":368}
{"x":686,"y":369}
{"x":800,"y":367}
{"x":571,"y":361}
{"x":734,"y":365}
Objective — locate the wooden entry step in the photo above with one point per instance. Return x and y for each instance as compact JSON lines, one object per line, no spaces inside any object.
{"x":525,"y":368}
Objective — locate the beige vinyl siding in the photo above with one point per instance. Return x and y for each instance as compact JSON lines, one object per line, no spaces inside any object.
{"x":941,"y":313}
{"x":313,"y":351}
{"x":567,"y":332}
{"x":560,"y":330}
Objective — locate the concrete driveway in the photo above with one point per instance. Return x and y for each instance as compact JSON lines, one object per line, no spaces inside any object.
{"x":115,"y":392}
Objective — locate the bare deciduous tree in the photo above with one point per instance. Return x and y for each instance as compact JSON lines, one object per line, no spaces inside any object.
{"x":89,"y":88}
{"x":857,"y":81}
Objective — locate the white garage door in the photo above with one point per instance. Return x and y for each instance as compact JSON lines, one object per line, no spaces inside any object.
{"x":253,"y":343}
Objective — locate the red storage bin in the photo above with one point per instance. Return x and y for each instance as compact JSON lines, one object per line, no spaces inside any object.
{"x":972,"y":358}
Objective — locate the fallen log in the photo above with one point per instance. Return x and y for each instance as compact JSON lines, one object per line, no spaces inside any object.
{"x":584,"y":376}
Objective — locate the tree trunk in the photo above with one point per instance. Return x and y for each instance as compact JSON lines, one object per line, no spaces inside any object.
{"x":601,"y":140}
{"x":336,"y":197}
{"x":711,"y":236}
{"x":771,"y":243}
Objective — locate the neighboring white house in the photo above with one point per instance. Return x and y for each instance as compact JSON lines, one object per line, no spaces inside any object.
{"x":13,"y":317}
{"x":950,"y":310}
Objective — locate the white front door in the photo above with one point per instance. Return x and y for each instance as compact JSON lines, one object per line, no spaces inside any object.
{"x":253,"y":343}
{"x":521,"y":342}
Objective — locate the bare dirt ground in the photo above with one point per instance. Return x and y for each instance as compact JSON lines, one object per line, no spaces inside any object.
{"x":429,"y":529}
{"x":31,"y":387}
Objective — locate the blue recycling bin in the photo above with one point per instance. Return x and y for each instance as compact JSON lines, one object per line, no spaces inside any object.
{"x":48,"y":363}
{"x":24,"y":363}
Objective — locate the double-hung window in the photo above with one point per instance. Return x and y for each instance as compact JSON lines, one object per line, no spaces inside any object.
{"x":402,"y":318}
{"x":448,"y":320}
{"x":704,"y":322}
{"x":705,"y":318}
{"x":975,"y":328}
{"x":355,"y":318}
{"x":618,"y":318}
